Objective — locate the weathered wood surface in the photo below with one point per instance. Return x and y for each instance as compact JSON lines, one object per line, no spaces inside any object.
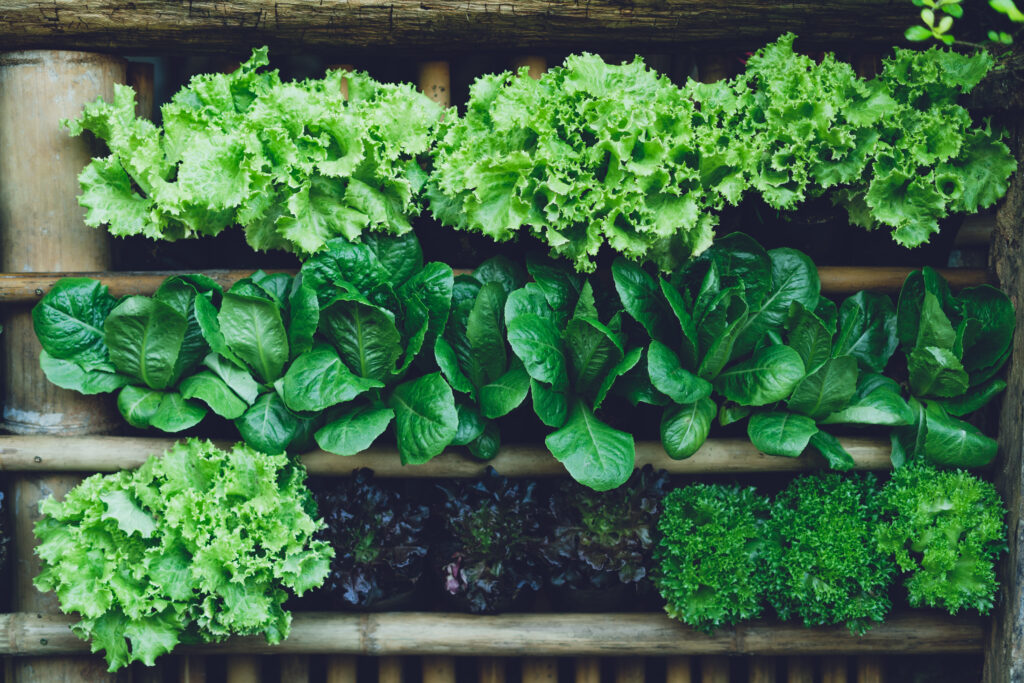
{"x":835,"y":280}
{"x":724,"y":456}
{"x":1004,"y":656}
{"x":541,"y":635}
{"x":216,"y":25}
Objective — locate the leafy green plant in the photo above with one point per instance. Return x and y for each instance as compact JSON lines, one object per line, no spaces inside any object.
{"x":709,"y":562}
{"x":946,"y":531}
{"x":598,"y":540}
{"x":194,"y":546}
{"x":380,"y":306}
{"x":379,"y":537}
{"x":955,"y":345}
{"x":475,"y":358}
{"x":294,"y":163}
{"x":938,"y":15}
{"x":824,"y":566}
{"x":486,"y":555}
{"x":744,"y":332}
{"x":573,"y":359}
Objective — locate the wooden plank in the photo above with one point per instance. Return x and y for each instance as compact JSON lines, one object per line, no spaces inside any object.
{"x":542,"y":635}
{"x":412,"y":25}
{"x":720,"y":456}
{"x":835,"y":280}
{"x":1004,"y":654}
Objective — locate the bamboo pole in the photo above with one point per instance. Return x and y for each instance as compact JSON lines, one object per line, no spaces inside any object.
{"x":799,"y":670}
{"x":588,"y":670}
{"x":870,"y":669}
{"x":438,"y":669}
{"x":243,"y":669}
{"x":678,"y":670}
{"x":342,"y":669}
{"x":489,"y":670}
{"x":721,"y":456}
{"x":629,"y":670}
{"x":833,"y":670}
{"x":762,"y":670}
{"x":714,"y":669}
{"x":540,"y":669}
{"x":41,"y":229}
{"x":389,"y":670}
{"x":542,"y":635}
{"x":835,"y":280}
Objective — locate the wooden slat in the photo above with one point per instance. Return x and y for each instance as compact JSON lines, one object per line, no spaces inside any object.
{"x":721,"y":456}
{"x":835,"y":280}
{"x":541,"y":635}
{"x":412,"y":25}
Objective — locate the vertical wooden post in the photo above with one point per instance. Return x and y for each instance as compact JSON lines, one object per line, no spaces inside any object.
{"x":799,"y":670}
{"x":833,"y":669}
{"x":192,"y":669}
{"x":629,"y":670}
{"x":1004,"y":654}
{"x":762,"y":670}
{"x":140,"y":76}
{"x":294,"y":668}
{"x":870,"y":669}
{"x":678,"y":670}
{"x":536,"y":64}
{"x":490,"y":670}
{"x":342,"y":669}
{"x":588,"y":670}
{"x":243,"y":669}
{"x":435,"y":81}
{"x":438,"y":669}
{"x":714,"y":669}
{"x":41,"y":229}
{"x":540,"y":670}
{"x":389,"y":670}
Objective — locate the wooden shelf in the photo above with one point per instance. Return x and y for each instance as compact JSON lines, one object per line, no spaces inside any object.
{"x":835,"y":280}
{"x":716,"y":456}
{"x":152,"y":26}
{"x":423,"y":633}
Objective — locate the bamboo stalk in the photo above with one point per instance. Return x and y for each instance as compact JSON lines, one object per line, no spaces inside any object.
{"x":678,"y":670}
{"x":722,"y":456}
{"x":438,"y":669}
{"x":342,"y":669}
{"x":835,"y":280}
{"x":629,"y":670}
{"x":540,"y":669}
{"x":762,"y":670}
{"x":833,"y":670}
{"x":489,"y":669}
{"x":714,"y":669}
{"x":870,"y":669}
{"x":588,"y":670}
{"x":799,"y":670}
{"x":389,"y":670}
{"x":542,"y":635}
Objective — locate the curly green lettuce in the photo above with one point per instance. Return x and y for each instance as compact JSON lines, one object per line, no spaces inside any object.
{"x":824,"y":566}
{"x":294,"y":163}
{"x":946,"y":530}
{"x":195,"y":545}
{"x":709,"y":563}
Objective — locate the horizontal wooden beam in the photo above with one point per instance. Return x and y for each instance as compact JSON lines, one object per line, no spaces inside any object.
{"x":646,"y":634}
{"x":835,"y":280}
{"x":444,"y":25}
{"x":722,"y":456}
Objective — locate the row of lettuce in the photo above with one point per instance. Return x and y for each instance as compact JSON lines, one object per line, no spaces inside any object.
{"x":367,"y":340}
{"x":589,"y":154}
{"x":203,"y":543}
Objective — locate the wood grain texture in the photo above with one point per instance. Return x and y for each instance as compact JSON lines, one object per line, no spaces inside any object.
{"x":629,"y":670}
{"x":542,"y":635}
{"x":870,"y":669}
{"x":489,"y":670}
{"x":415,"y":25}
{"x":799,"y":670}
{"x":1004,"y":655}
{"x":835,"y":280}
{"x":539,"y":669}
{"x":762,"y":670}
{"x":342,"y":669}
{"x":714,"y":669}
{"x":438,"y":669}
{"x":587,"y":670}
{"x":390,"y":670}
{"x":721,"y":456}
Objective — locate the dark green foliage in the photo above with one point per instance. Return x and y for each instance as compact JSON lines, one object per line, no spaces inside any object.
{"x":486,"y":555}
{"x":601,"y":539}
{"x":824,"y":566}
{"x":709,"y":564}
{"x":379,"y":540}
{"x":946,"y":531}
